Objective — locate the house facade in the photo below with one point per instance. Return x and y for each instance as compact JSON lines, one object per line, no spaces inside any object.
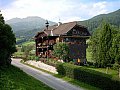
{"x":72,"y":33}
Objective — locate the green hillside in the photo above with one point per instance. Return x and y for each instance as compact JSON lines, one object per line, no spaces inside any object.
{"x":12,"y":78}
{"x":113,"y":18}
{"x":26,"y":28}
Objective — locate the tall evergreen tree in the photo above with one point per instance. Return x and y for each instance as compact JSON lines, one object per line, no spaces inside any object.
{"x":116,"y":48}
{"x":7,"y":42}
{"x":101,"y":43}
{"x":105,"y":42}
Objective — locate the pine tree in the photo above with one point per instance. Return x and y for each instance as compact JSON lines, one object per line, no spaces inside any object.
{"x":105,"y":42}
{"x":101,"y":43}
{"x":116,"y":48}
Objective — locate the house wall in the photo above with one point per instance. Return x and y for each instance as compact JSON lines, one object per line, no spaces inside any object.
{"x":76,"y":44}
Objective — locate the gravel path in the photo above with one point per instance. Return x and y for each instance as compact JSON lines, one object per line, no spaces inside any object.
{"x":46,"y":78}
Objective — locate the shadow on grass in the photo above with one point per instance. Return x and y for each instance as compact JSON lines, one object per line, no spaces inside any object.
{"x":78,"y":83}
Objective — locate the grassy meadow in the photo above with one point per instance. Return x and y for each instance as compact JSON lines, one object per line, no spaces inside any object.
{"x":12,"y":78}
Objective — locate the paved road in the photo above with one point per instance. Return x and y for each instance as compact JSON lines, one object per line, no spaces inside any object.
{"x":48,"y":79}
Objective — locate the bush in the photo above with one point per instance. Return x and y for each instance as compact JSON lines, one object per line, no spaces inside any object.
{"x":116,"y":66}
{"x":61,"y":50}
{"x":88,"y":76}
{"x":60,"y":69}
{"x":37,"y":58}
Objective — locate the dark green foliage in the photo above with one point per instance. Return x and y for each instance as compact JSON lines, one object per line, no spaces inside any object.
{"x":115,"y":49}
{"x":116,"y":66}
{"x":83,"y":74}
{"x":12,"y":78}
{"x":93,"y":23}
{"x":1,"y":18}
{"x":7,"y":42}
{"x":103,"y":45}
{"x":61,"y":50}
{"x":60,"y":69}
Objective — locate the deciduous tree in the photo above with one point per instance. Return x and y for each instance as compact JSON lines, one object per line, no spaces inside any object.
{"x":61,"y":50}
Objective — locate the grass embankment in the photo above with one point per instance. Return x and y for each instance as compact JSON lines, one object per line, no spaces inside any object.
{"x":112,"y":73}
{"x":12,"y":78}
{"x":70,"y":80}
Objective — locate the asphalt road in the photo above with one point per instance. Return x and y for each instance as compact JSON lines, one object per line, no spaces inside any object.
{"x":48,"y":79}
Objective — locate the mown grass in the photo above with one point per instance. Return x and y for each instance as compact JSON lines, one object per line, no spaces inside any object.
{"x":111,"y":72}
{"x":12,"y":78}
{"x":77,"y":83}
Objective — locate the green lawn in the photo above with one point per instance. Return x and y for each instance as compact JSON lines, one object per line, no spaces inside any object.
{"x":13,"y":78}
{"x":77,"y":83}
{"x":111,"y":72}
{"x":28,"y":43}
{"x":17,"y":39}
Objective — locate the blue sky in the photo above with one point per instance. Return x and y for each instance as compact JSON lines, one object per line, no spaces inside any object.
{"x":65,"y":10}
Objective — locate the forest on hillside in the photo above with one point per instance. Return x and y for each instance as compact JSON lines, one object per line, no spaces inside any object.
{"x":25,"y":30}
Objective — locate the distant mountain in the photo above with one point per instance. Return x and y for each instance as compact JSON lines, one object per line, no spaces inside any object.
{"x":24,"y":25}
{"x":113,"y":18}
{"x":28,"y":27}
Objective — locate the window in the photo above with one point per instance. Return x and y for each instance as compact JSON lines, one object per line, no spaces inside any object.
{"x":74,"y":31}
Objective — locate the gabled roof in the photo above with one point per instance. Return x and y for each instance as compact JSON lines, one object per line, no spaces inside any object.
{"x":61,"y":29}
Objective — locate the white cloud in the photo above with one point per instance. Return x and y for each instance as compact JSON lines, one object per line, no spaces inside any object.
{"x":46,"y":9}
{"x":98,"y":8}
{"x":55,"y":9}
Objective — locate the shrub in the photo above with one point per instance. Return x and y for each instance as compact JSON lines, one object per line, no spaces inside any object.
{"x":88,"y":76}
{"x":37,"y":58}
{"x":60,"y":69}
{"x":116,"y":66}
{"x":61,"y":51}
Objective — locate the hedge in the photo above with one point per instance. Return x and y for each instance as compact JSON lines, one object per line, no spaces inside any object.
{"x":88,"y":76}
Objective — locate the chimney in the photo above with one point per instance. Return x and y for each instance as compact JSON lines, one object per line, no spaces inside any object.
{"x":51,"y":32}
{"x":59,"y":23}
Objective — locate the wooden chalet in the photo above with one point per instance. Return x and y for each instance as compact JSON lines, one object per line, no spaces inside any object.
{"x":72,"y":33}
